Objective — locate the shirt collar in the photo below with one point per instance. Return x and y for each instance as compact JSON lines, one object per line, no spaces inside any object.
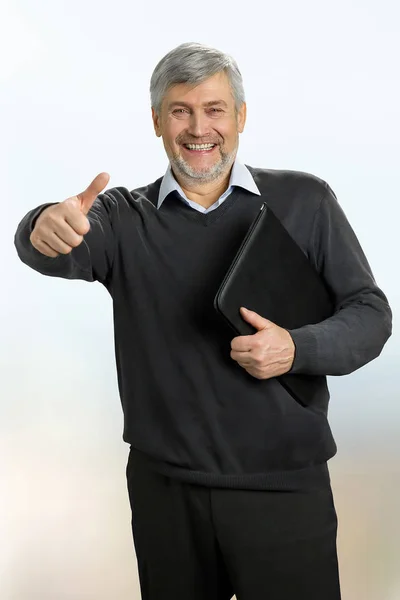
{"x":240,"y":176}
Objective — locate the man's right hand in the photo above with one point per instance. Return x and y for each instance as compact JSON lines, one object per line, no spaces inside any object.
{"x":61,"y":227}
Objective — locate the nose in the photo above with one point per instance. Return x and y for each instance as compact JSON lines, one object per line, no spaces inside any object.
{"x":198,"y":125}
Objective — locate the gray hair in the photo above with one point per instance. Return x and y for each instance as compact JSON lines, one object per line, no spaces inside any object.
{"x":193,"y":63}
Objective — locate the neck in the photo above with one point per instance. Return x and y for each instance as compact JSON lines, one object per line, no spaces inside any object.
{"x":204,"y":194}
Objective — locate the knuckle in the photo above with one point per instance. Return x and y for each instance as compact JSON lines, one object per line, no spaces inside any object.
{"x":77,"y":241}
{"x":52,"y":214}
{"x":65,"y":250}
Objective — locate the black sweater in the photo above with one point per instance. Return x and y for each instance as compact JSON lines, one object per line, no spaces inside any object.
{"x":189,"y":409}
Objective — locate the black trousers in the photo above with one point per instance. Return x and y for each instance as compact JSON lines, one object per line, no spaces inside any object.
{"x":199,"y":543}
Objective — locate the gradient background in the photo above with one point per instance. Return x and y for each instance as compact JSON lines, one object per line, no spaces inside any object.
{"x":323,"y":95}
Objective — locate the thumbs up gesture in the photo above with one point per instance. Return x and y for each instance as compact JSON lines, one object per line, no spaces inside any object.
{"x":61,"y":227}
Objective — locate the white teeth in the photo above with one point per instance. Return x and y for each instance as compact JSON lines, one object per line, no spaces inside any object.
{"x":199,"y":146}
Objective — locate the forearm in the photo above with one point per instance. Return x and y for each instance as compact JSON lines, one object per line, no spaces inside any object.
{"x":345,"y":342}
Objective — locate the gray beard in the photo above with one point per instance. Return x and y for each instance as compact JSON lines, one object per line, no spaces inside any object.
{"x":217,"y":171}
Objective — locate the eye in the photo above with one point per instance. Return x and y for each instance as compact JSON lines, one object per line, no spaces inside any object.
{"x":217,"y":109}
{"x":177,"y":110}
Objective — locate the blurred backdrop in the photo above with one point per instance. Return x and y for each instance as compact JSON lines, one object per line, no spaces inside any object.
{"x":323,"y":91}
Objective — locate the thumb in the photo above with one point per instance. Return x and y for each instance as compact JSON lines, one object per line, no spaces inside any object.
{"x":87,"y":197}
{"x":254,"y":318}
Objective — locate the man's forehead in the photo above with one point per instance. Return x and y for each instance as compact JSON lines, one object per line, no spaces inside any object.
{"x":204,"y":94}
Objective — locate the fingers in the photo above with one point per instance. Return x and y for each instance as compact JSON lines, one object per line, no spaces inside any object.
{"x":58,"y":237}
{"x":243,"y":358}
{"x":65,"y":242}
{"x":44,"y":248}
{"x":243,"y":343}
{"x":87,"y":197}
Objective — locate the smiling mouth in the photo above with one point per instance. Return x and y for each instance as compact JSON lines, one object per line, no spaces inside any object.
{"x":200,"y":148}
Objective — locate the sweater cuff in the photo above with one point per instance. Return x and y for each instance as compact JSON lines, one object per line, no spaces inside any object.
{"x":305,"y":354}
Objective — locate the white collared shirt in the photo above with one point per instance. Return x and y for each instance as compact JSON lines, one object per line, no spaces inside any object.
{"x":240,"y":176}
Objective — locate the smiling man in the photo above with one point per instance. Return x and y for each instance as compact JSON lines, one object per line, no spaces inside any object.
{"x":200,"y":128}
{"x":227,"y":472}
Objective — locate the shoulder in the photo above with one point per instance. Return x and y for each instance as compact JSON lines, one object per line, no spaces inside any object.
{"x":295,"y":197}
{"x":296,"y":184}
{"x":138,"y":199}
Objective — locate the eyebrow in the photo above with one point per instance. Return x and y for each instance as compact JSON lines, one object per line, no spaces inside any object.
{"x":210,"y":103}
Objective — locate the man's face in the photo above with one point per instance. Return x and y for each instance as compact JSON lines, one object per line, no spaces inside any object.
{"x":204,"y":114}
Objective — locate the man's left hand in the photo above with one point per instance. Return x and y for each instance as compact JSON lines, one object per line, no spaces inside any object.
{"x":267,"y":353}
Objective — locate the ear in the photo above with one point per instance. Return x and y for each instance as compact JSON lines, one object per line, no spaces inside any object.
{"x":241,"y":117}
{"x":156,"y":122}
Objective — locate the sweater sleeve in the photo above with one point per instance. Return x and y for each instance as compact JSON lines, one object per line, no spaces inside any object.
{"x":362,"y":322}
{"x":90,"y":261}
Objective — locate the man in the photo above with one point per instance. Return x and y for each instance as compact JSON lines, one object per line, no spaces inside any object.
{"x":227,"y":472}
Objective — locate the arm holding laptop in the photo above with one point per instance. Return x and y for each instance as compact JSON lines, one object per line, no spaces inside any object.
{"x":353,"y":336}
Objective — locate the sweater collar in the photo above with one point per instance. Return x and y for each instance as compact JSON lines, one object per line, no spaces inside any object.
{"x":240,"y":176}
